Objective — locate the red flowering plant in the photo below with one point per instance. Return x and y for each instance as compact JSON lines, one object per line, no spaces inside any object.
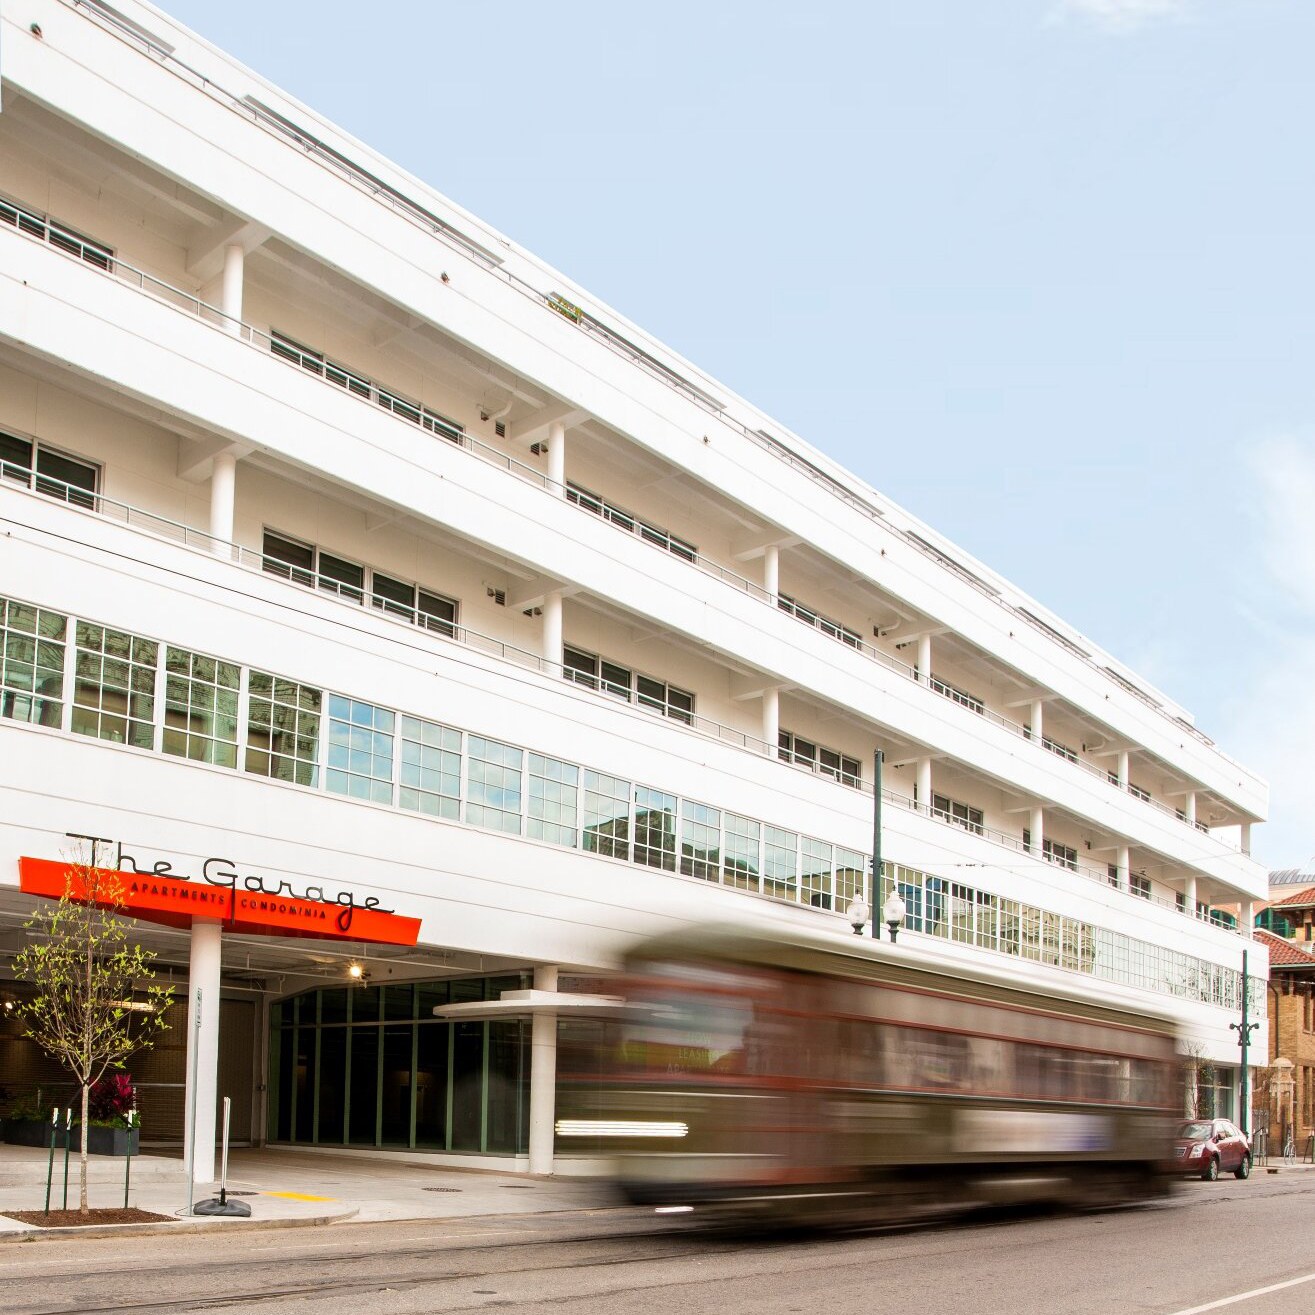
{"x":110,"y":1099}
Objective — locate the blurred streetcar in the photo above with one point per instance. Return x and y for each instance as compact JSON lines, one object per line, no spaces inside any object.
{"x":807,"y":1076}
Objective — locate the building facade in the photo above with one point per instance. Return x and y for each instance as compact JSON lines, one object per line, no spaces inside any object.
{"x":350,"y":546}
{"x":1285,"y":1092}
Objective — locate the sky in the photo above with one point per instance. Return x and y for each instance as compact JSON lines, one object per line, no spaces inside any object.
{"x":1037,"y":270}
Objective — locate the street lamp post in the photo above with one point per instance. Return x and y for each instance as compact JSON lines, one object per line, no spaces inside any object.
{"x":1244,"y":1030}
{"x":877,"y":759}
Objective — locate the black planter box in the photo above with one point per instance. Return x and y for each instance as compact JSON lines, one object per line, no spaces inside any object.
{"x":100,"y":1141}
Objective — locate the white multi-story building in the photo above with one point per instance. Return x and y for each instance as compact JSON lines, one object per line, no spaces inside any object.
{"x":343,"y":539}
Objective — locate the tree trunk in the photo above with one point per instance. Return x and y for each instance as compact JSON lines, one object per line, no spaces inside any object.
{"x":82,"y":1166}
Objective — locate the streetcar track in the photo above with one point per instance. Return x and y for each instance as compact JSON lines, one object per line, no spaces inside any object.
{"x":361,"y":1287}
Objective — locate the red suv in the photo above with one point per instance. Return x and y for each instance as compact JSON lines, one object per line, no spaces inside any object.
{"x":1211,"y":1147}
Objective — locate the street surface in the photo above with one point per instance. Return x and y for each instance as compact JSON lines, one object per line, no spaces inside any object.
{"x":1205,"y":1248}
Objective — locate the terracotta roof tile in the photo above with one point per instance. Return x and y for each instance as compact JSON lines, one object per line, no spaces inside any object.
{"x":1301,"y":899}
{"x":1284,"y":954}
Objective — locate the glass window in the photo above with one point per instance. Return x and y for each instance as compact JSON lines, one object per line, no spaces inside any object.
{"x":287,"y":558}
{"x":1009,"y":926}
{"x":961,"y":913}
{"x":829,"y":762}
{"x":579,"y":666}
{"x":741,"y":852}
{"x":606,"y":815}
{"x":850,"y":876}
{"x":987,"y":920}
{"x":964,"y":815}
{"x":394,"y":596}
{"x":780,"y":863}
{"x":437,"y":613}
{"x":16,"y":458}
{"x":493,"y":784}
{"x":615,"y":679}
{"x":114,"y":686}
{"x":554,"y":803}
{"x":58,"y":475}
{"x":360,"y":760}
{"x":666,"y":699}
{"x":700,"y":841}
{"x":655,"y":828}
{"x":200,"y":707}
{"x":815,"y":873}
{"x":62,"y":477}
{"x":909,"y":884}
{"x":429,"y":780}
{"x":31,"y":663}
{"x":283,"y":729}
{"x":341,"y":577}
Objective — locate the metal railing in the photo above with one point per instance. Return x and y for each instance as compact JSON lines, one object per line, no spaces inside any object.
{"x":428,"y":626}
{"x":369,"y":393}
{"x":435,"y":226}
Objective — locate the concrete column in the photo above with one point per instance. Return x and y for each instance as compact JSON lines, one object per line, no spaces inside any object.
{"x":1244,"y":835}
{"x":202,"y":1083}
{"x":230,"y":297}
{"x":924,"y":658}
{"x":924,"y":783}
{"x":1246,"y":919}
{"x":1037,"y":826}
{"x":1123,"y":769}
{"x":1189,"y":894}
{"x":771,"y":718}
{"x":543,"y":1077}
{"x":1038,"y":719}
{"x":1124,"y":866}
{"x":1189,"y":807}
{"x":772,"y":569}
{"x":223,"y":493}
{"x":557,"y":458}
{"x":552,"y":631}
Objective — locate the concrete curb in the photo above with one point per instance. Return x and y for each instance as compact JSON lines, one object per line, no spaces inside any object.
{"x":34,"y":1233}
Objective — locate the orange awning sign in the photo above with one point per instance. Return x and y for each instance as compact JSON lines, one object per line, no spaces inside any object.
{"x":250,"y":905}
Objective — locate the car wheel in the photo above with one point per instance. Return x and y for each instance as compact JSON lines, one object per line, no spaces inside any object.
{"x":1211,"y":1170}
{"x":1243,"y":1170}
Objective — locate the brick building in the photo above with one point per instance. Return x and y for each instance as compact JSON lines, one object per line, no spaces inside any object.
{"x":1291,"y":1031}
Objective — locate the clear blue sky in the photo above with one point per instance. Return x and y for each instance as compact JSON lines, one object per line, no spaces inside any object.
{"x":1039,"y":270}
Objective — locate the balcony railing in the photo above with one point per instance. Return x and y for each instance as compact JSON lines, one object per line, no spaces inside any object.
{"x":423,"y":218}
{"x":76,"y":247}
{"x":429,"y":628}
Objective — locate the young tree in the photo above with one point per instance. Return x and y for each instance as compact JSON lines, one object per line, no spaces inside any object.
{"x":95,"y":1000}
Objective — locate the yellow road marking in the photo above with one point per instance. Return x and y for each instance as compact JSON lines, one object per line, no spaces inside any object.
{"x":299,"y":1196}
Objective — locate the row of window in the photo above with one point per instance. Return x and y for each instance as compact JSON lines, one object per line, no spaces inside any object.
{"x":304,"y":563}
{"x":792,"y":748}
{"x":132,"y":690}
{"x":56,"y":474}
{"x":44,"y":229}
{"x":345,"y":377}
{"x":835,"y":629}
{"x":1054,"y":852}
{"x":594,"y":672}
{"x":958,"y":912}
{"x":1054,"y":746}
{"x":957,"y":695}
{"x":596,"y":503}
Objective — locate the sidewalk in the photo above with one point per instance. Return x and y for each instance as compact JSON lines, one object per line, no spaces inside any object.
{"x":285,"y":1189}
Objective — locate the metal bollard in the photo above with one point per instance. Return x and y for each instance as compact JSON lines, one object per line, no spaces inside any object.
{"x":50,"y":1163}
{"x":68,"y":1137}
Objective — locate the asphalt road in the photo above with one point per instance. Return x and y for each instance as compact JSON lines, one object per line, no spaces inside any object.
{"x":1205,"y":1248}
